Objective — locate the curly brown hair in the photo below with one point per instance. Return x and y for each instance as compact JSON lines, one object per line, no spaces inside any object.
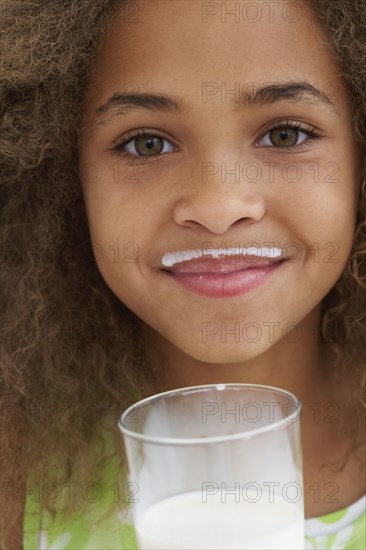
{"x":69,"y":346}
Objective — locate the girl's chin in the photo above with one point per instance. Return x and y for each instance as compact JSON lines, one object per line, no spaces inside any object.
{"x":224,"y":353}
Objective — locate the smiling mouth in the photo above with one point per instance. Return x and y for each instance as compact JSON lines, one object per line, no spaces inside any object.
{"x":223,"y":272}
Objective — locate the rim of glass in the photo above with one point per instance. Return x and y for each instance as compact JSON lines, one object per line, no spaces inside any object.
{"x":214,"y":439}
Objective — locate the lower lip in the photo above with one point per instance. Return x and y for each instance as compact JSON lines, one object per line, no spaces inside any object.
{"x":225,"y":286}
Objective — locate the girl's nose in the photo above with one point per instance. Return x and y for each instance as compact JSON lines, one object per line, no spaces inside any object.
{"x":217,"y":206}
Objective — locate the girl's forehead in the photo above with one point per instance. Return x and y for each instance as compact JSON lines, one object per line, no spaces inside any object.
{"x":190,"y":41}
{"x":215,"y":39}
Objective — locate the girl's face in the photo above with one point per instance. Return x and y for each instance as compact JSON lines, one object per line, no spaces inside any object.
{"x":230,"y":161}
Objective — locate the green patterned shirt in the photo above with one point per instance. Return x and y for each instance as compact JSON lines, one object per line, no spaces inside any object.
{"x":344,"y":529}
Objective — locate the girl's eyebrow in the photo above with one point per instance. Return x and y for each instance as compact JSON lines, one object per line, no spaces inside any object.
{"x":304,"y":92}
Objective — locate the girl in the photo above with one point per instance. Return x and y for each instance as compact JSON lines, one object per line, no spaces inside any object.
{"x":184,"y":203}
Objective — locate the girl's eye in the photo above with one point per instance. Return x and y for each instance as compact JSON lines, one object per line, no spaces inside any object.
{"x":291,"y":134}
{"x":147,"y":146}
{"x":141,"y":143}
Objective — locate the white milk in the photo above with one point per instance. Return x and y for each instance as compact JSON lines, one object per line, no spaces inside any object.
{"x":186,"y":522}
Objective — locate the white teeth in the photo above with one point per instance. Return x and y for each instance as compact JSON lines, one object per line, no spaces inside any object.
{"x":172,"y":258}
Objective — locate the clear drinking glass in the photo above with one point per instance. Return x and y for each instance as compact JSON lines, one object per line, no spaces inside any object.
{"x":216,"y":467}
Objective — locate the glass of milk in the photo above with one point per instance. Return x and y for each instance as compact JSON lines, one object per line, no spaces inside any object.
{"x":216,"y":467}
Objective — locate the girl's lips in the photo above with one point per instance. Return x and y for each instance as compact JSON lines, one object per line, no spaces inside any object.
{"x":220,"y":284}
{"x":222,"y":266}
